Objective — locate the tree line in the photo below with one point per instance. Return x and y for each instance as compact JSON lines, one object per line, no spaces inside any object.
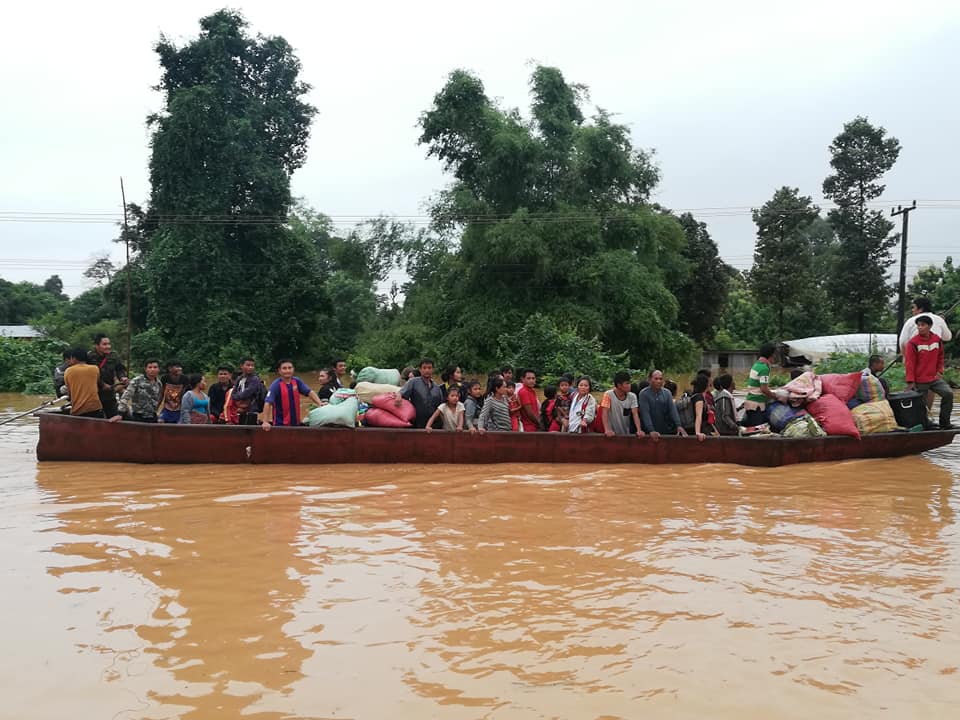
{"x":544,"y":250}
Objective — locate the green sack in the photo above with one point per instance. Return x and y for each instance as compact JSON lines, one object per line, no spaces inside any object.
{"x":380,"y":376}
{"x":804,"y":426}
{"x":344,"y":414}
{"x":342,"y":394}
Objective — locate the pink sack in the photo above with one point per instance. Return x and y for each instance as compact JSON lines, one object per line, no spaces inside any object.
{"x":377,"y":417}
{"x":387,"y":402}
{"x":844,"y":386}
{"x":834,"y":416}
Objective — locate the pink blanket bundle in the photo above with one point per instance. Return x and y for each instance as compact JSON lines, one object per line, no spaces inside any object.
{"x":803,"y":389}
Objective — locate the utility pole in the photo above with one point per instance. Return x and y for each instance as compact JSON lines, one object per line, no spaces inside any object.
{"x":901,"y":302}
{"x":126,"y":242}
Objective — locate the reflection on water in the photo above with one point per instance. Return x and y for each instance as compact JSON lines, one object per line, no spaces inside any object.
{"x":466,"y":592}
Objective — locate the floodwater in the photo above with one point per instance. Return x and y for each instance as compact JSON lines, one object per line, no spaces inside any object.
{"x":506,"y":591}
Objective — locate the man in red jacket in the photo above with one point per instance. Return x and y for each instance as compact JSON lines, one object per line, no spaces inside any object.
{"x":923,"y":358}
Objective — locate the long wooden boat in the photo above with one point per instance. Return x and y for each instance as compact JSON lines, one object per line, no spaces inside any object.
{"x":63,"y":437}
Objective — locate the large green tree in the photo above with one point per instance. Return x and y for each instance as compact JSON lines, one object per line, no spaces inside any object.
{"x":942,"y":286}
{"x":859,"y":286}
{"x":224,"y":272}
{"x":547,"y":214}
{"x":782,"y":276}
{"x":703,"y":295}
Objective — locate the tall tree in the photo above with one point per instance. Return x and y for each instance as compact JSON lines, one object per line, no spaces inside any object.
{"x":101,"y":270}
{"x":221,"y":262}
{"x":54,"y":286}
{"x":544,"y":215}
{"x":860,"y":155}
{"x":781,"y":276}
{"x":703,"y":296}
{"x":940,"y":284}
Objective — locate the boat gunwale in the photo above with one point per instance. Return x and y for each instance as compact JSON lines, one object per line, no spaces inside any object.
{"x":66,"y":438}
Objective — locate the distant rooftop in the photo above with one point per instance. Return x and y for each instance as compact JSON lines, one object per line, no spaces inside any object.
{"x":19,"y":331}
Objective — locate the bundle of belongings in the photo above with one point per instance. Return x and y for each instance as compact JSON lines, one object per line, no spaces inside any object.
{"x":851,"y":404}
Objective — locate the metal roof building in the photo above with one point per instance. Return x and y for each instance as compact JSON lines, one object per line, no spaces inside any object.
{"x":20,"y":332}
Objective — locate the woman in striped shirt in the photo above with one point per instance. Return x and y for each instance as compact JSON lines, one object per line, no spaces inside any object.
{"x":495,"y":414}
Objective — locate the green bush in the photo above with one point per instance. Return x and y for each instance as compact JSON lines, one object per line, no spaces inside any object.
{"x":543,"y":346}
{"x":147,"y":345}
{"x":27,"y":366}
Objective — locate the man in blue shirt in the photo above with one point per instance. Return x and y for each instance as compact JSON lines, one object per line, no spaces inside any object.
{"x":658,"y":414}
{"x":424,"y":393}
{"x":282,"y":406}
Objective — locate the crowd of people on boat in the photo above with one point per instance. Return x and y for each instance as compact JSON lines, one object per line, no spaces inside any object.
{"x":97,"y":385}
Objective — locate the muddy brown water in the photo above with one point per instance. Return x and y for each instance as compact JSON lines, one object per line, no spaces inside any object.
{"x":519,"y":591}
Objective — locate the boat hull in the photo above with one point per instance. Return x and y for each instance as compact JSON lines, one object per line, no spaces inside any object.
{"x":66,"y":438}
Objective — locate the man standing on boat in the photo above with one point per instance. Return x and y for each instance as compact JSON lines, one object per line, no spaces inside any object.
{"x":529,"y":403}
{"x":758,"y":388}
{"x":658,"y":413}
{"x":113,"y":375}
{"x":618,"y":405}
{"x":282,"y":405}
{"x":248,"y":391}
{"x":424,"y":393}
{"x":218,"y":392}
{"x":339,"y":366}
{"x":909,"y":329}
{"x":83,"y":384}
{"x":174,"y":385}
{"x":142,"y":397}
{"x":923,"y":358}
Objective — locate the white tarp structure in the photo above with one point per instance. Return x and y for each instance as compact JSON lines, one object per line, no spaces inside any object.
{"x":818,"y":348}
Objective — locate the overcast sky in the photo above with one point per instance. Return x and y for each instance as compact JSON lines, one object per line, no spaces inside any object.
{"x":736,"y":98}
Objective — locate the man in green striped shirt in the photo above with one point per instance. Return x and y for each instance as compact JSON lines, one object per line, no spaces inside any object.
{"x":758,"y":388}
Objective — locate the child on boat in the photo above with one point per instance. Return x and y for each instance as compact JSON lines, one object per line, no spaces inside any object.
{"x":561,"y":406}
{"x":514,"y":404}
{"x":546,"y":407}
{"x":451,"y":412}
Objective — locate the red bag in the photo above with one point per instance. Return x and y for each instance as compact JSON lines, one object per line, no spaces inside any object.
{"x":405,"y":411}
{"x":843,"y":386}
{"x":833,"y":415}
{"x":377,"y":417}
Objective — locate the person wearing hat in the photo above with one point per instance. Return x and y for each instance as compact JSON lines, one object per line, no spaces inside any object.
{"x":923,"y":358}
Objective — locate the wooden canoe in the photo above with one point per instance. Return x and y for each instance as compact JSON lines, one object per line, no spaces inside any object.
{"x":63,"y":437}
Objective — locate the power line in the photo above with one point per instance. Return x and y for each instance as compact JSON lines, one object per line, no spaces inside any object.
{"x":115,"y":217}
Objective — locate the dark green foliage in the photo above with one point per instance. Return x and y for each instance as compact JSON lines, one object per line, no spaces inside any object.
{"x":703,"y":295}
{"x":26,"y":366}
{"x":54,"y":286}
{"x":542,"y":345}
{"x":545,"y":216}
{"x":859,"y":287}
{"x":24,"y":302}
{"x":75,"y":323}
{"x":746,"y":323}
{"x":782,"y":276}
{"x":221,"y":265}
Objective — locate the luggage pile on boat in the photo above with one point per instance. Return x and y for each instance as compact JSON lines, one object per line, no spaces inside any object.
{"x":850,"y":404}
